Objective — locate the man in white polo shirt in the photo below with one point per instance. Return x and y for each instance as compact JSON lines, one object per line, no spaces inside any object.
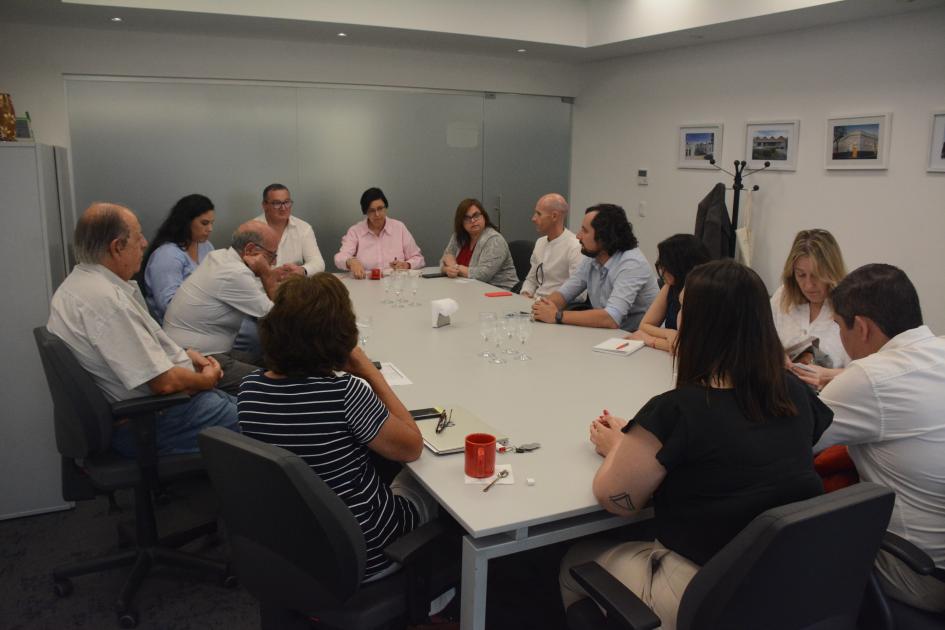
{"x":101,"y":315}
{"x":297,"y":250}
{"x":557,"y":253}
{"x":229,"y":285}
{"x":889,"y":409}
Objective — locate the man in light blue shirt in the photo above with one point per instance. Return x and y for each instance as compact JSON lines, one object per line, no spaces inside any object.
{"x":619,"y":281}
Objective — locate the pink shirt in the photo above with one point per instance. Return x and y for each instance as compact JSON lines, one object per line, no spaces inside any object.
{"x":377,"y":252}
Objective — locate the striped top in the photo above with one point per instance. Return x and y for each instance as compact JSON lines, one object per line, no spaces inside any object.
{"x":328,"y":422}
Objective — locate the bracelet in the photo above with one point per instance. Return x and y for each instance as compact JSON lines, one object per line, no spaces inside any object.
{"x":558,"y":316}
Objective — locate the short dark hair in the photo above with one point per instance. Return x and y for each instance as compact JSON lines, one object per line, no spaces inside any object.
{"x":882,"y":293}
{"x":271,"y":187}
{"x":311,"y":329}
{"x":462,"y":237}
{"x":612,"y":230}
{"x":678,"y":255}
{"x":371,"y":195}
{"x":727,"y":332}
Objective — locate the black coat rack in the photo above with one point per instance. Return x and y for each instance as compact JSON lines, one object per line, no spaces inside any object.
{"x":737,"y":187}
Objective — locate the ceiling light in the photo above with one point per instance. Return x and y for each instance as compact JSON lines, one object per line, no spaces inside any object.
{"x":521,"y":50}
{"x":115,"y":19}
{"x":342,"y":34}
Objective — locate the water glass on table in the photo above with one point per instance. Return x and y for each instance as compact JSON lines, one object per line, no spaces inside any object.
{"x":486,"y":333}
{"x":524,"y":333}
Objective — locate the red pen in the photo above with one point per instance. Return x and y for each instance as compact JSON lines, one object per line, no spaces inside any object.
{"x":623,"y":345}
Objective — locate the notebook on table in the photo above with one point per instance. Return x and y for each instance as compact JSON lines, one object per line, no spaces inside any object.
{"x":618,"y":345}
{"x":452,"y":439}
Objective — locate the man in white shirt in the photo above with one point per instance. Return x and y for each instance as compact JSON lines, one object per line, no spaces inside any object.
{"x":889,"y":409}
{"x":101,"y":315}
{"x":557,"y":253}
{"x":297,"y":251}
{"x":229,"y":285}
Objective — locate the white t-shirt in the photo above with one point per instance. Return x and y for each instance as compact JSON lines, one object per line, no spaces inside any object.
{"x":209,"y":306}
{"x":794,"y":325}
{"x":559,"y":259}
{"x":298,"y":246}
{"x":889,"y":409}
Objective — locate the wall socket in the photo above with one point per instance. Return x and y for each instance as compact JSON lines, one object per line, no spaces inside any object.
{"x":641,"y":177}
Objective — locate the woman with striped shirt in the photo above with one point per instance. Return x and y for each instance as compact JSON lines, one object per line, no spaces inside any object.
{"x":333,"y":421}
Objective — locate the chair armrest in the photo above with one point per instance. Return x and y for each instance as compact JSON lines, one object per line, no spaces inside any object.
{"x":915,"y":558}
{"x":147,"y":404}
{"x":406,"y":548}
{"x":624,"y":609}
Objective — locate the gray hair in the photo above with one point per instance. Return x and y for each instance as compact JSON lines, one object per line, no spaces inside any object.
{"x":95,"y":231}
{"x":243,"y":237}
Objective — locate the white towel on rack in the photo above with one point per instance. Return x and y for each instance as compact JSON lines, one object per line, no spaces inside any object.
{"x":743,"y":234}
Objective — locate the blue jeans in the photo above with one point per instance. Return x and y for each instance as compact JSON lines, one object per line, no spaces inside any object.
{"x":177,"y":427}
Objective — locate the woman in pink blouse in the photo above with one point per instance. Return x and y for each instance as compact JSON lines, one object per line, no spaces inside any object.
{"x":377,"y":242}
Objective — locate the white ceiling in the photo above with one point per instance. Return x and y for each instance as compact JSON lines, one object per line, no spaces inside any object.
{"x":559,"y":30}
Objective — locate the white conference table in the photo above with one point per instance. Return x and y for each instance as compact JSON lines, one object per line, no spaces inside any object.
{"x":550,"y":399}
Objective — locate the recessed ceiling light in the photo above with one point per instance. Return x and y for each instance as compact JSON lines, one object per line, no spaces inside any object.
{"x":342,"y":34}
{"x":115,"y":19}
{"x":521,"y":50}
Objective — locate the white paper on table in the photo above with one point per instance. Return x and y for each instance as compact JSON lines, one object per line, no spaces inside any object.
{"x":394,"y":376}
{"x":464,"y":281}
{"x":441,"y":311}
{"x":486,"y":480}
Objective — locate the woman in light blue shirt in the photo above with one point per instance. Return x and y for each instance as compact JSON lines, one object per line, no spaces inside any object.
{"x":181,"y":243}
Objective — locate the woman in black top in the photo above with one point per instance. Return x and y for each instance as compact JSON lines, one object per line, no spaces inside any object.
{"x":732,"y":440}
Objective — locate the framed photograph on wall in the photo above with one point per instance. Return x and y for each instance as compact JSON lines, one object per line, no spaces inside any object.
{"x":698,"y":141}
{"x":858,"y":142}
{"x":774,"y":142}
{"x":937,"y":143}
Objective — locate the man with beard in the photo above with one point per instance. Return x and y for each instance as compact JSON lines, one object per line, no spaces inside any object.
{"x":619,"y":281}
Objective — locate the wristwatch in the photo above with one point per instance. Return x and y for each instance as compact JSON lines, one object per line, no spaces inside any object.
{"x":558,"y":316}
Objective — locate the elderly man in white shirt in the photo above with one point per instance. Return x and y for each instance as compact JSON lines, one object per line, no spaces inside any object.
{"x":229,"y":285}
{"x":889,"y":410}
{"x":557,"y":253}
{"x":101,"y":316}
{"x":297,"y":252}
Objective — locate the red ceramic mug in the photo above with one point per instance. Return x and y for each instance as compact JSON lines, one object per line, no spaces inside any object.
{"x":375,"y":274}
{"x":480,"y":455}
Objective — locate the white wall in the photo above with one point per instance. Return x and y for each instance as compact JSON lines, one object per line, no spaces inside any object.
{"x":39,"y":56}
{"x":627,"y":113}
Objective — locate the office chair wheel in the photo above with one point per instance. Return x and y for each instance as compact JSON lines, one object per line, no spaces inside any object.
{"x":128,"y":619}
{"x":63,"y":587}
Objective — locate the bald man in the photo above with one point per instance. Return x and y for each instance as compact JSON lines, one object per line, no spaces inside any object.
{"x":557,"y":253}
{"x":228,"y":285}
{"x":101,"y":315}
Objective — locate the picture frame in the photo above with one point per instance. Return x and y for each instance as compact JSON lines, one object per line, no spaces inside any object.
{"x":694,"y":142}
{"x":858,"y":142}
{"x":937,"y":143}
{"x":774,"y":142}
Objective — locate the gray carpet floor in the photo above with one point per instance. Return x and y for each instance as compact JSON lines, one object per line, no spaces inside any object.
{"x":522,"y":588}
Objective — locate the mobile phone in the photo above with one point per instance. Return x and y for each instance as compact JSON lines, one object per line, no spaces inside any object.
{"x":805,"y":367}
{"x":423,"y":414}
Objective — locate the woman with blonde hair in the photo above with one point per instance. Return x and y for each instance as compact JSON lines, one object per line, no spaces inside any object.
{"x":801,"y":306}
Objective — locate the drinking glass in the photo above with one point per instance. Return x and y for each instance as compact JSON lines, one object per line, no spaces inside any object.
{"x":524,"y":332}
{"x":414,"y":275}
{"x":511,"y":333}
{"x":501,"y":339}
{"x":486,"y":333}
{"x":397,"y":286}
{"x":385,"y":284}
{"x":365,"y":327}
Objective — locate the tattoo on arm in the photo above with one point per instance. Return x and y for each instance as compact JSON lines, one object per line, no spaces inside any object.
{"x":623,"y":501}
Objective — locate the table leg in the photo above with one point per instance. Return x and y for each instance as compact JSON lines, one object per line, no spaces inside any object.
{"x":474,"y":582}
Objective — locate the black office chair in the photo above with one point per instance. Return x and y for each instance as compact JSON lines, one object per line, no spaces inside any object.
{"x":83,"y":423}
{"x":881,"y":612}
{"x":521,"y":257}
{"x":298,"y":549}
{"x":801,"y":565}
